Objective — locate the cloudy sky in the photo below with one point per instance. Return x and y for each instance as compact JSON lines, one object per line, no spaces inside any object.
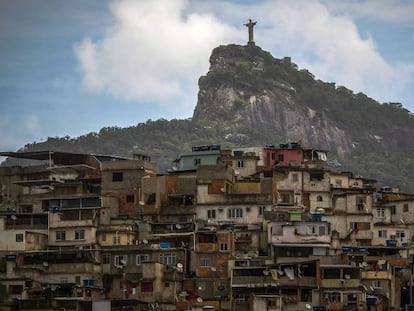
{"x":73,"y":67}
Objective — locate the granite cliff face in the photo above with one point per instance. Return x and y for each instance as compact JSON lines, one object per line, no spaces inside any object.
{"x":248,"y":88}
{"x":259,"y":101}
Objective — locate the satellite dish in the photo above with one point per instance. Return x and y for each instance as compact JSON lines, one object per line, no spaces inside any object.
{"x":13,"y":217}
{"x":141,"y":203}
{"x":199,"y":299}
{"x":213,"y":269}
{"x":123,"y":261}
{"x":180,"y":265}
{"x":45,"y":264}
{"x":145,"y":241}
{"x":308,"y":306}
{"x":178,"y":226}
{"x":266,"y":272}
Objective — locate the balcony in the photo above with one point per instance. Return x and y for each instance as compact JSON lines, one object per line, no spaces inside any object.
{"x":243,"y":239}
{"x":376,"y":275}
{"x":206,"y":247}
{"x":264,"y":281}
{"x":363,"y":234}
{"x":298,"y":281}
{"x":338,"y":283}
{"x":253,"y":281}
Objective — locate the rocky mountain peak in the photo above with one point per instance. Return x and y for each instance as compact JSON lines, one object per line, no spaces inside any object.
{"x":247,"y":87}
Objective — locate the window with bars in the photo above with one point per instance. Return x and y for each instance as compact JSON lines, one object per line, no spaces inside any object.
{"x":204,"y":262}
{"x":224,"y":247}
{"x":142,"y":258}
{"x":60,"y":235}
{"x":168,"y":258}
{"x":120,"y":260}
{"x":382,"y":233}
{"x":211,"y":213}
{"x":235,"y":213}
{"x":380,"y":212}
{"x":79,"y":234}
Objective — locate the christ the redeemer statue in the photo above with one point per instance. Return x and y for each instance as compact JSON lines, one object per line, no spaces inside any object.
{"x":250,"y":26}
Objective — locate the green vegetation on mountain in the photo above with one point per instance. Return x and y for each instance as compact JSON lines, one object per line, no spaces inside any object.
{"x":250,"y":98}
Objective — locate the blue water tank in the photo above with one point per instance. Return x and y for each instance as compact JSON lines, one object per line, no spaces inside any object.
{"x":165,"y":245}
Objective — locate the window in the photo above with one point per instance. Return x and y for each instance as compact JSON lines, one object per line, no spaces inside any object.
{"x":338,"y":183}
{"x":360,"y":204}
{"x":120,"y":260}
{"x":147,"y":287}
{"x":106,"y":259}
{"x":224,"y":268}
{"x":380,"y":212}
{"x":235,"y":213}
{"x":222,"y":286}
{"x":311,"y":230}
{"x":322,"y":230}
{"x":197,"y":162}
{"x":319,"y":198}
{"x":103,"y":237}
{"x":305,"y":295}
{"x":60,"y":235}
{"x":400,"y":234}
{"x":382,"y":233}
{"x":241,"y":298}
{"x":333,"y":297}
{"x":19,"y":237}
{"x":211,"y":213}
{"x":280,"y":157}
{"x":262,"y":209}
{"x":141,"y":258}
{"x":240,"y":163}
{"x":405,"y":207}
{"x":116,"y":240}
{"x":285,"y":197}
{"x":204,"y":262}
{"x":316,"y":176}
{"x":224,"y":247}
{"x":295,"y":177}
{"x":117,"y":176}
{"x":393,"y":210}
{"x":15,"y":289}
{"x":130,"y":198}
{"x":79,"y":234}
{"x":168,"y":258}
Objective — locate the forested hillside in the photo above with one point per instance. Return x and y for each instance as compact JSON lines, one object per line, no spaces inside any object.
{"x":249,"y":98}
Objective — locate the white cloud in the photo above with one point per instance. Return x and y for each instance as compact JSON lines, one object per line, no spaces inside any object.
{"x":331,"y":47}
{"x":396,"y":11}
{"x":156,"y":50}
{"x":153,"y":52}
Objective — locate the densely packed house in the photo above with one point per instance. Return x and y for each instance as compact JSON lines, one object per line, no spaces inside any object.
{"x":259,"y":228}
